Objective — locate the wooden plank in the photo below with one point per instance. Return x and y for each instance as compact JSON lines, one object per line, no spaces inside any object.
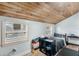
{"x":50,"y":12}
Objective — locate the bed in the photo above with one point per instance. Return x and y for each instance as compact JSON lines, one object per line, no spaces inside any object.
{"x":70,"y":50}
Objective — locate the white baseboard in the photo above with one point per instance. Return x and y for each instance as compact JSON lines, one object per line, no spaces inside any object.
{"x":25,"y":53}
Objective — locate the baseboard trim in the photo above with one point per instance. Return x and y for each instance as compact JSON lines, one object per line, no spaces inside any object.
{"x":25,"y":53}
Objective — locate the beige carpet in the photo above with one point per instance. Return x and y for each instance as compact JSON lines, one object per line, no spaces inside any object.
{"x":37,"y":53}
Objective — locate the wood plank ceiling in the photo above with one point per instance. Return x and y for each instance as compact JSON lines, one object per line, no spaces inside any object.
{"x":49,"y":12}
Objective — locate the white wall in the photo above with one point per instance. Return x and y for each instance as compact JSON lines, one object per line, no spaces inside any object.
{"x":36,"y":29}
{"x":69,"y":26}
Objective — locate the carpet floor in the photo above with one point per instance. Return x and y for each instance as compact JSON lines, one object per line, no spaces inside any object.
{"x":37,"y":53}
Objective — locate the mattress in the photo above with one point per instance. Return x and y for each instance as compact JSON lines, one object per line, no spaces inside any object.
{"x":67,"y":51}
